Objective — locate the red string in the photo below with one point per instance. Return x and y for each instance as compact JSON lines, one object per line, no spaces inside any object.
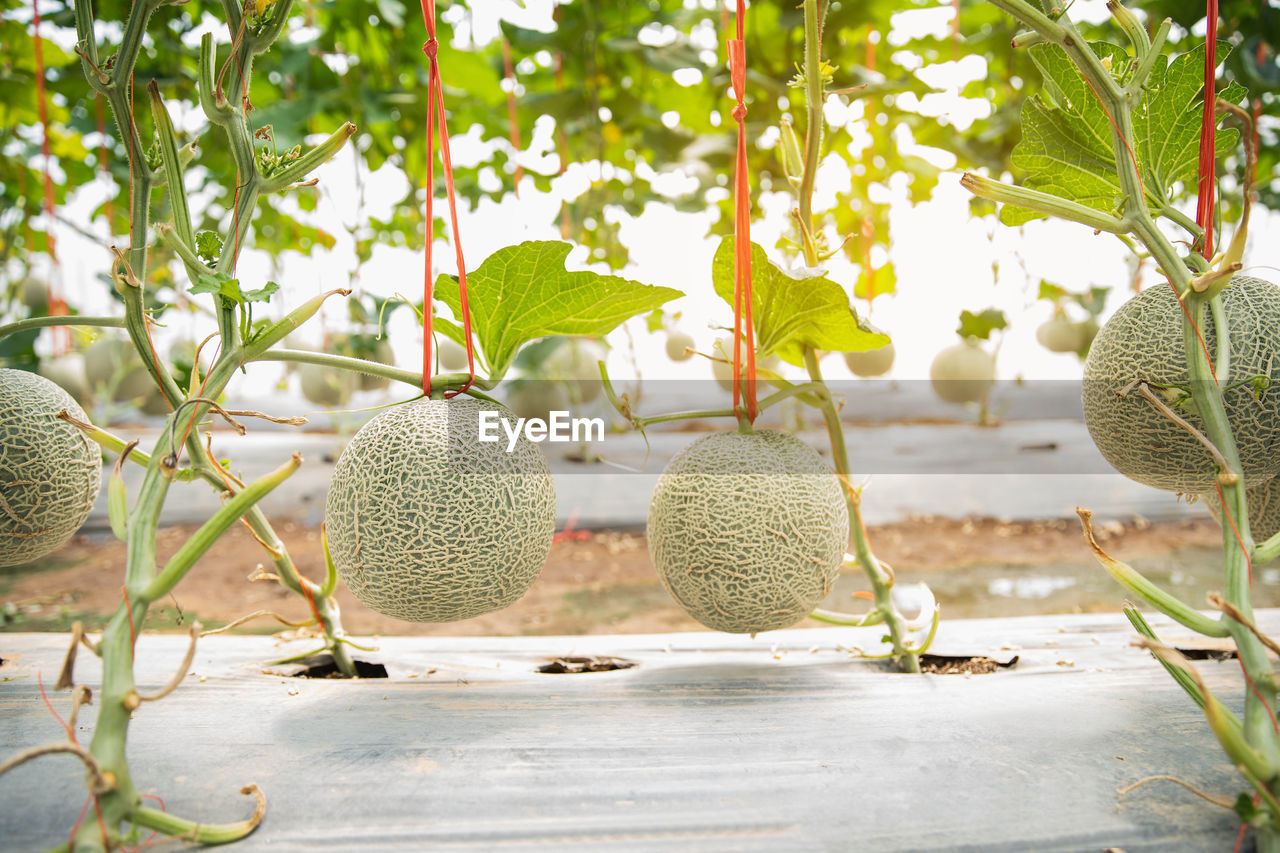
{"x":743,"y":327}
{"x":1208,"y":125}
{"x":513,"y":122}
{"x":435,"y":106}
{"x":1240,"y":541}
{"x":311,"y":599}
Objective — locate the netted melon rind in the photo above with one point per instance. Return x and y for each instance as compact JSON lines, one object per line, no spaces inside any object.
{"x":1264,"y":509}
{"x":428,"y":524}
{"x":49,"y":472}
{"x":748,"y":531}
{"x":1143,"y":340}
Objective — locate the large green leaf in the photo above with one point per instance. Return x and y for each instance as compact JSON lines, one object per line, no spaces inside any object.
{"x":791,"y":313}
{"x":1067,"y":147}
{"x":523,"y":292}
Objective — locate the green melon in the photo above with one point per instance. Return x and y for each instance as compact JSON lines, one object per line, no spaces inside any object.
{"x":1264,"y":509}
{"x":538,"y":398}
{"x":114,"y":365}
{"x":325,"y":386}
{"x":427,"y":523}
{"x":382,"y":354}
{"x":34,"y":294}
{"x":723,"y":370}
{"x":1060,"y":334}
{"x":873,"y":362}
{"x":963,"y":373}
{"x":49,"y":472}
{"x":68,"y":373}
{"x":748,"y":531}
{"x":576,"y":362}
{"x":678,"y":344}
{"x":1143,"y":340}
{"x":452,"y":356}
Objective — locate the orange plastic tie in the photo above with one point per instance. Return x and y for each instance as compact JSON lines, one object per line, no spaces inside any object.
{"x":513,"y":120}
{"x":743,"y":327}
{"x":1208,"y":128}
{"x":435,"y":106}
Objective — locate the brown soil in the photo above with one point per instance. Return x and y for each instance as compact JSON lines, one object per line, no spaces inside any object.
{"x":602,"y":583}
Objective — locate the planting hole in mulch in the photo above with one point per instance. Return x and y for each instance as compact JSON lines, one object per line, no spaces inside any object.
{"x":574,"y":665}
{"x":948,"y":665}
{"x":322,"y":666}
{"x":1208,"y":654}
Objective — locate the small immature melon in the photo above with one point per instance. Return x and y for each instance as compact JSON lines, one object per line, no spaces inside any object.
{"x":748,"y":531}
{"x":382,"y":354}
{"x":1060,"y":334}
{"x":427,"y":523}
{"x":34,"y":294}
{"x":723,"y":371}
{"x":453,"y":357}
{"x":325,"y":386}
{"x":538,"y":398}
{"x":873,"y":362}
{"x":1264,"y":509}
{"x":678,"y":346}
{"x":1143,"y":341}
{"x":576,"y":362}
{"x":963,"y":373}
{"x":49,"y":472}
{"x":113,"y":364}
{"x":67,"y":372}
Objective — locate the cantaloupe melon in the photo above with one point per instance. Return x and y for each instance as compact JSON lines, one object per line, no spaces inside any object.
{"x":49,"y":472}
{"x":963,"y":373}
{"x":428,"y":524}
{"x":1143,"y":340}
{"x":872,"y":362}
{"x":748,"y":531}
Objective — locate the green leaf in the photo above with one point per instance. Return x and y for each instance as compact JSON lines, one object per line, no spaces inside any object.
{"x":208,"y":246}
{"x":523,"y":292}
{"x":876,"y":281}
{"x":982,"y":324}
{"x":219,"y":283}
{"x":228,"y":288}
{"x":262,"y":294}
{"x":655,"y":322}
{"x":792,"y":313}
{"x":1051,"y":291}
{"x":1067,"y":144}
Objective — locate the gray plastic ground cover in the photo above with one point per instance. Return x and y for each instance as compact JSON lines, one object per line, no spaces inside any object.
{"x":712,"y":743}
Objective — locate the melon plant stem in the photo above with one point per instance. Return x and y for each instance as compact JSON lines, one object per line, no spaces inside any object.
{"x":876,"y":576}
{"x":1259,"y":727}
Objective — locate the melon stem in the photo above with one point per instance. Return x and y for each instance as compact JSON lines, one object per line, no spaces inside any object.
{"x":876,"y":575}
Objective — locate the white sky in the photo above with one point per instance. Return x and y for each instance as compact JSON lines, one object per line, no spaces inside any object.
{"x":943,"y":257}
